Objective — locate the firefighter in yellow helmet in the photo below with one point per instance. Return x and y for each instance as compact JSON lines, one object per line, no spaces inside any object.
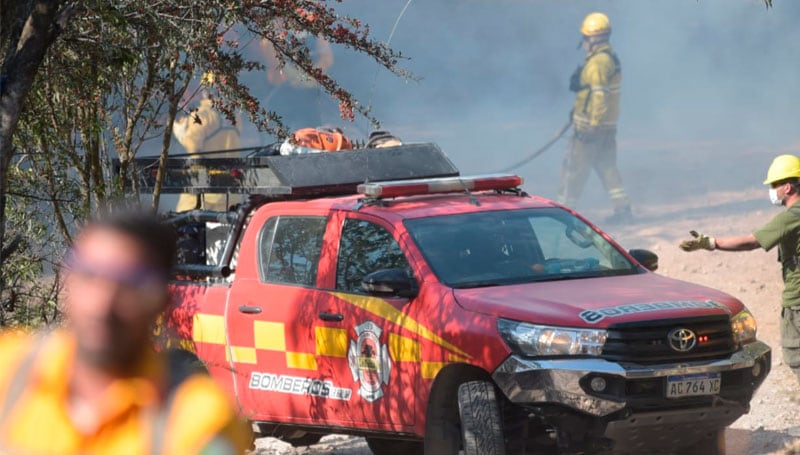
{"x":783,"y":231}
{"x":203,"y":130}
{"x":596,"y":84}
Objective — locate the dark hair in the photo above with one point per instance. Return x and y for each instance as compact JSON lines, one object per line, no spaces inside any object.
{"x":158,"y":239}
{"x":794,"y":181}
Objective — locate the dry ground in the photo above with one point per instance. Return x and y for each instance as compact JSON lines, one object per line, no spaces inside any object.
{"x":754,"y":277}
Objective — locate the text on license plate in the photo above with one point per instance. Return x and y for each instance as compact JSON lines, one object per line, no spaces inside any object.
{"x":690,"y":385}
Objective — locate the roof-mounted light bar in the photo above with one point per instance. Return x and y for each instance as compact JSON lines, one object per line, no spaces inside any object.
{"x":440,"y":185}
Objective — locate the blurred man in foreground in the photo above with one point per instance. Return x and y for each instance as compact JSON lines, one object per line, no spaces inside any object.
{"x":97,"y":385}
{"x":782,"y":231}
{"x":595,"y":114}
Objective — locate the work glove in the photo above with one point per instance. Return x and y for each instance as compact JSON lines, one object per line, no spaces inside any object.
{"x":700,"y":241}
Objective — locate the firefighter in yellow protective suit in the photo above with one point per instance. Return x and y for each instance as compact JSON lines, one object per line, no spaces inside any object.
{"x":594,"y":146}
{"x":206,"y":130}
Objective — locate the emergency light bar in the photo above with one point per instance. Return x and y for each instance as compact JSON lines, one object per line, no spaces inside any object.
{"x":440,"y":185}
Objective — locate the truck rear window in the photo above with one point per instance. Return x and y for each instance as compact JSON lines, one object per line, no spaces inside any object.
{"x":514,"y":246}
{"x":289,"y":249}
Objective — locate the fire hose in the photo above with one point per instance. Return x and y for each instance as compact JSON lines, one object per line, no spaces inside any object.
{"x":541,"y":149}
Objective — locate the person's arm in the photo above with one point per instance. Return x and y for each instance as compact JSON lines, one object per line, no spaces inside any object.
{"x":740,"y":243}
{"x":598,"y":79}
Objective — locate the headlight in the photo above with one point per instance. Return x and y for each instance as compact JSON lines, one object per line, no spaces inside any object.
{"x":743,"y":326}
{"x":544,"y":340}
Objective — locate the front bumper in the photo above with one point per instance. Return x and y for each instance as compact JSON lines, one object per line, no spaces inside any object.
{"x":635,"y":387}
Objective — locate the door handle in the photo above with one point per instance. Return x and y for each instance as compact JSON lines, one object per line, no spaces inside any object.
{"x":335,"y":317}
{"x":250,"y":309}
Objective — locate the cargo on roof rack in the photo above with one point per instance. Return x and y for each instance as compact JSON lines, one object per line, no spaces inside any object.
{"x":314,"y":174}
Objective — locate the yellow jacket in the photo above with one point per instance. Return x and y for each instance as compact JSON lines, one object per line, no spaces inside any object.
{"x":597,"y":99}
{"x":204,"y":131}
{"x":131,"y":417}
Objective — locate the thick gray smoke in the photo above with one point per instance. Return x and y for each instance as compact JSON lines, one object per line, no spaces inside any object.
{"x":711,"y":82}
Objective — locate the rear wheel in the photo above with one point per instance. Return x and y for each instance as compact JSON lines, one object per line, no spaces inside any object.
{"x":380,"y":446}
{"x":713,"y":444}
{"x":481,"y":424}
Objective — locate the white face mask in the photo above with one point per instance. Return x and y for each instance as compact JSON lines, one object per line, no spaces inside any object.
{"x":773,"y":197}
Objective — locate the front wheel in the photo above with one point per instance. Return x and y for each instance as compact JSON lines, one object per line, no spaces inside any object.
{"x":481,"y":424}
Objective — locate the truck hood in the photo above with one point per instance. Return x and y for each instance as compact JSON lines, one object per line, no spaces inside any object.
{"x":598,"y":302}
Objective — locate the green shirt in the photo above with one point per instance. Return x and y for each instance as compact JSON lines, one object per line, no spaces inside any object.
{"x":784,"y":231}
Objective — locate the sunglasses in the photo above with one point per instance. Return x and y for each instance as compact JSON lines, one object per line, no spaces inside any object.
{"x":148,"y":279}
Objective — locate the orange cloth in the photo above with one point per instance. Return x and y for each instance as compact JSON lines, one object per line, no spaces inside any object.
{"x":200,"y":419}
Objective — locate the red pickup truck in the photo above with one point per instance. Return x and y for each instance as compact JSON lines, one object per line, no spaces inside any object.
{"x":378,"y":293}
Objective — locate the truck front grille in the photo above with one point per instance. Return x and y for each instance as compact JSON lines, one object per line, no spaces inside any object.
{"x":647,"y":342}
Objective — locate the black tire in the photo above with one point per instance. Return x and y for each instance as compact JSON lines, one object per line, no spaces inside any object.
{"x":713,"y":444}
{"x":380,"y":446}
{"x":481,"y":424}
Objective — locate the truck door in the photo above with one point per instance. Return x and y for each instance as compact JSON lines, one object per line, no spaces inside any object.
{"x":271,"y":321}
{"x":381,"y":360}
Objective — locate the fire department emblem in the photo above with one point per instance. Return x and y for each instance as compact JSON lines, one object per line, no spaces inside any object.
{"x":369,"y":361}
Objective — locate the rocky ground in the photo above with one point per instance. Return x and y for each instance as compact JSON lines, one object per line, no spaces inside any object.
{"x":773,"y":423}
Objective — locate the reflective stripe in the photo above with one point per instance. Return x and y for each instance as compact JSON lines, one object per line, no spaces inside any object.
{"x":617,"y":193}
{"x":20,"y":379}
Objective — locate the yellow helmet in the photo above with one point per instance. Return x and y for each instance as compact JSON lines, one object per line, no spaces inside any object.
{"x":783,"y":167}
{"x":596,"y":24}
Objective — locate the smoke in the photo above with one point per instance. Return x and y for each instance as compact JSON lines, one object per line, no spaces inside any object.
{"x":711,"y":84}
{"x":709,"y":78}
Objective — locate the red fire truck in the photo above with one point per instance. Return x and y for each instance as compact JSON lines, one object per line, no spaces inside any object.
{"x":379,"y":293}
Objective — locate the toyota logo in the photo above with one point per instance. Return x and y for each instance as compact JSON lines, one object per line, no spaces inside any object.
{"x":681,"y":339}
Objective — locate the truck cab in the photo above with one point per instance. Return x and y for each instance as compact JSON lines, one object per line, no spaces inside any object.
{"x":437,"y":313}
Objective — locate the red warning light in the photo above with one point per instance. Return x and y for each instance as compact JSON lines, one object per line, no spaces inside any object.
{"x":702,"y":339}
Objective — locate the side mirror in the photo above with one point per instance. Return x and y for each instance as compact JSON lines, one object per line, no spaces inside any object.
{"x":394,"y":282}
{"x":647,"y":258}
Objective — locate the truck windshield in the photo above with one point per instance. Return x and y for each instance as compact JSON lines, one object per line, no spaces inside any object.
{"x":514,"y":246}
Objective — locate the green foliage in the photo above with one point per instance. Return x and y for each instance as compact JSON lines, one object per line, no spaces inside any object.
{"x":29,"y":271}
{"x":116,"y":77}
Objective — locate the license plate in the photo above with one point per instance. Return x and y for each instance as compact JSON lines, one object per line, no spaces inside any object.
{"x":692,"y":385}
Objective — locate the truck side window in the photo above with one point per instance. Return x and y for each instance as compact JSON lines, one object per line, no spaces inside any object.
{"x":365,"y":248}
{"x":289,"y":249}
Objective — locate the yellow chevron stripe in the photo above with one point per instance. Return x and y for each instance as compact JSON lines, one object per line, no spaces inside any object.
{"x":429,"y":370}
{"x":331,"y":341}
{"x":403,"y":349}
{"x":241,"y":354}
{"x":269,"y":335}
{"x":208,"y":328}
{"x":301,"y":360}
{"x":456,"y":358}
{"x":383,"y":309}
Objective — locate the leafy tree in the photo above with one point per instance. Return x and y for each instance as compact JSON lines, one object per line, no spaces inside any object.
{"x":83,"y":81}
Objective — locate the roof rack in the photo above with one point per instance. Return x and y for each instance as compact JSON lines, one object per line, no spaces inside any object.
{"x":314,"y":174}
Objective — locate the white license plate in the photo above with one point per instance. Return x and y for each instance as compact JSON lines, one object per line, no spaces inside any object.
{"x":692,"y":385}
